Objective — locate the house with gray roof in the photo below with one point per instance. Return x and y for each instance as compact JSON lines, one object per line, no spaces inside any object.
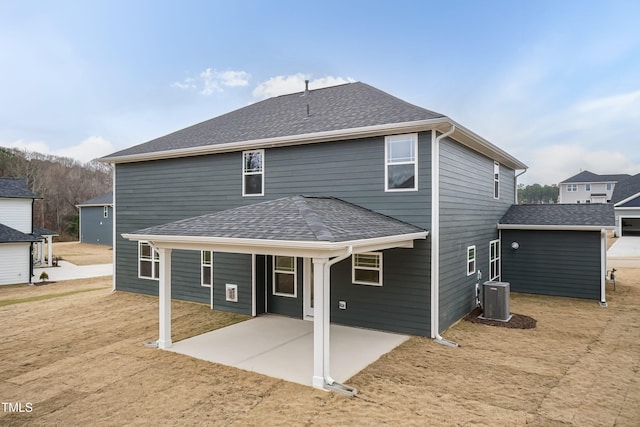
{"x":588,"y":187}
{"x":96,"y":220}
{"x":343,"y":204}
{"x":16,"y":228}
{"x":626,"y":201}
{"x":556,"y":249}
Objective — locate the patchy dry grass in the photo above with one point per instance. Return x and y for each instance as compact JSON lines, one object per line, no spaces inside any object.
{"x":83,"y":253}
{"x":79,"y":360}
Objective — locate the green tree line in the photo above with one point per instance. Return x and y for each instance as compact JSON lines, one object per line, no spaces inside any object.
{"x":537,"y":194}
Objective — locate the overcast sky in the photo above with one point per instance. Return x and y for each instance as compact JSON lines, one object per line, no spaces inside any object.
{"x":555,"y":83}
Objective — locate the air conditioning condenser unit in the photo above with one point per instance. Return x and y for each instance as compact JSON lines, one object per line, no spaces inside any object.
{"x":495,"y":301}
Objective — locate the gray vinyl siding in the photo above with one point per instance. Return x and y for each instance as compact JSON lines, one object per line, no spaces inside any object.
{"x":157,"y":192}
{"x":233,"y":269}
{"x":399,"y":305}
{"x":94,"y":227}
{"x":563,"y":263}
{"x":468,"y":216}
{"x":284,"y":305}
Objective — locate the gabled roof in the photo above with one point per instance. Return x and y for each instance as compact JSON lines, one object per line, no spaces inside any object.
{"x":39,"y":232}
{"x":11,"y":235}
{"x":626,"y":189}
{"x":15,"y":188}
{"x":296,"y":221}
{"x":588,"y":216}
{"x":586,"y":176}
{"x":348,"y":111}
{"x":101,"y":200}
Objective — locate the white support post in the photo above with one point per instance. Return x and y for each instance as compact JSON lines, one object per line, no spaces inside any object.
{"x":50,"y":250}
{"x":319,"y":323}
{"x":164,"y":340}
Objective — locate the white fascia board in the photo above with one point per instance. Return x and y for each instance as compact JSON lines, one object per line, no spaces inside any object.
{"x":627,"y":200}
{"x":277,"y":247}
{"x":442,"y":124}
{"x":555,"y":227}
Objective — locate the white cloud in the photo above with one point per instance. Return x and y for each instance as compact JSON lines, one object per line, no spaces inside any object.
{"x":211,"y":80}
{"x":281,"y":85}
{"x":85,"y":151}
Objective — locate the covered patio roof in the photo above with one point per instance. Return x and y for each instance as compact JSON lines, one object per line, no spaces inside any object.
{"x":325,"y":229}
{"x":302,"y":226}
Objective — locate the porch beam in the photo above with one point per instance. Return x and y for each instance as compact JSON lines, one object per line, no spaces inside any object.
{"x":164,"y":294}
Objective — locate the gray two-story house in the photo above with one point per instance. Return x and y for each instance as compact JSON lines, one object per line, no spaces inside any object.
{"x":341,"y":204}
{"x":96,"y":220}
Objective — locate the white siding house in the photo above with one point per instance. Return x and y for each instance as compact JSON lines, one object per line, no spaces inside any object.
{"x":588,"y":187}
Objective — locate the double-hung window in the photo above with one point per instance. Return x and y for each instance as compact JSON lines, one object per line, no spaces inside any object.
{"x":284,"y":276}
{"x":253,"y":173}
{"x":148,"y":261}
{"x":206,"y":268}
{"x":587,"y":187}
{"x":105,"y":212}
{"x":367,"y":268}
{"x":496,"y":180}
{"x":401,"y":162}
{"x":572,"y":188}
{"x":494,"y":260}
{"x":471,"y":260}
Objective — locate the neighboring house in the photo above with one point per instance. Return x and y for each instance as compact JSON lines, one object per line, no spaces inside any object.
{"x":588,"y":187}
{"x":248,"y":212}
{"x":96,"y":220}
{"x":626,"y":201}
{"x":556,"y":249}
{"x":16,"y":228}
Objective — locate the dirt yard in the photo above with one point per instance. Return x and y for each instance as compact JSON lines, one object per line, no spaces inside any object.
{"x":72,"y":354}
{"x":83,"y":253}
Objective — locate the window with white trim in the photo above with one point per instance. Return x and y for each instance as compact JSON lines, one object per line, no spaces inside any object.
{"x":105,"y":212}
{"x":401,"y":165}
{"x":587,"y":187}
{"x":148,"y":262}
{"x":572,"y":188}
{"x":494,"y":260}
{"x":206,"y":268}
{"x":496,"y":180}
{"x":253,"y":173}
{"x":367,"y":268}
{"x":609,"y":186}
{"x":285,"y":276}
{"x":471,"y":260}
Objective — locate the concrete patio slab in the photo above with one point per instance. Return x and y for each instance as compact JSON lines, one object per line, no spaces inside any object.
{"x":282,"y":347}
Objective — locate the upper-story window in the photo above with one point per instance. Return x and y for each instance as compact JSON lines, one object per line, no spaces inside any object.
{"x":572,"y":187}
{"x":401,"y":165}
{"x":609,"y":186}
{"x":105,"y":211}
{"x":253,"y":173}
{"x":496,"y":180}
{"x":587,"y":187}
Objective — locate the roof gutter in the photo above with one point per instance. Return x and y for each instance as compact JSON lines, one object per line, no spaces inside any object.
{"x":463,"y":135}
{"x":435,"y":237}
{"x":554,"y":227}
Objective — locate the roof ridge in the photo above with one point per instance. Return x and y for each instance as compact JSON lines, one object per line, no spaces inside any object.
{"x":312,"y":219}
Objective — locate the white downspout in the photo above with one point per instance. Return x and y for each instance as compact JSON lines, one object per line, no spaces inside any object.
{"x":435,"y":237}
{"x":603,"y":267}
{"x":330,"y":382}
{"x":515,"y":184}
{"x":113,"y":226}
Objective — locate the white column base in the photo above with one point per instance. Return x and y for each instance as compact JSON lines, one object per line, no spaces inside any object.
{"x":318,"y":382}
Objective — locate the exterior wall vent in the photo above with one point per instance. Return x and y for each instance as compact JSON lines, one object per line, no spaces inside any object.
{"x":495,"y":301}
{"x":231,"y":292}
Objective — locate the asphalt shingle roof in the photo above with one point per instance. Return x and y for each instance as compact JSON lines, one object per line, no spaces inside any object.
{"x":11,"y":235}
{"x":586,"y":176}
{"x":588,"y":214}
{"x":294,"y":218}
{"x":103,"y":199}
{"x":626,"y":188}
{"x":15,"y":188}
{"x":346,"y":106}
{"x":40,"y":232}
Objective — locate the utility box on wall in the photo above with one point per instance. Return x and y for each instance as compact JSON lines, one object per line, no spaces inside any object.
{"x":495,"y":301}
